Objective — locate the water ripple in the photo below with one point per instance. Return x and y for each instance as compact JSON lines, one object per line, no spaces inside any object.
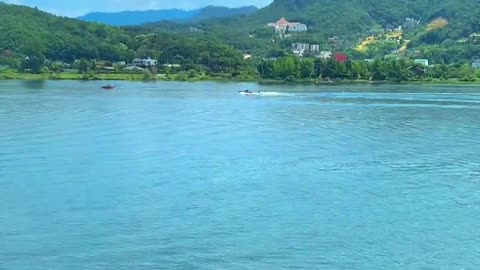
{"x":182,"y":175}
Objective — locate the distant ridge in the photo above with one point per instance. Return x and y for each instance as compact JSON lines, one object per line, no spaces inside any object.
{"x":350,"y":17}
{"x":129,"y":18}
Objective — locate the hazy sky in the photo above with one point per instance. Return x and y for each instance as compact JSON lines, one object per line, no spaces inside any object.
{"x":80,"y":7}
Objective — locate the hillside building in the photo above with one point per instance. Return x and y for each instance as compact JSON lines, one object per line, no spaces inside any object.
{"x":283,"y":26}
{"x":148,"y":62}
{"x":300,"y":48}
{"x":423,"y":62}
{"x":325,"y":55}
{"x":341,"y":57}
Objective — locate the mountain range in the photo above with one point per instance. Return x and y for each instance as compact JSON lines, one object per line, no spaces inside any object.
{"x":130,"y":18}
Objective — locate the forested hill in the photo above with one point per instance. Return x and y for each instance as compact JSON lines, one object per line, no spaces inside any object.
{"x":350,"y":17}
{"x":28,"y":32}
{"x":129,"y":18}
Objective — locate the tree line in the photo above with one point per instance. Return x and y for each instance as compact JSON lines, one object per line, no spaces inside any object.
{"x":291,"y":68}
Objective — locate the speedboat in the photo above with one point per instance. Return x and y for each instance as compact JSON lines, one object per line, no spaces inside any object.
{"x":108,"y":87}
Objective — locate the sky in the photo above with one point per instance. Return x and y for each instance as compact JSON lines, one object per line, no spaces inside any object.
{"x":80,"y":7}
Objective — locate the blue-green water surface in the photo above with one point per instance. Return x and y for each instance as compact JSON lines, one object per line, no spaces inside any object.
{"x":196,"y":176}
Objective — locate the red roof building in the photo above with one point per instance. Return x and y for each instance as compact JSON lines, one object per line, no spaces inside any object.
{"x":282,"y":26}
{"x":283,"y":22}
{"x":341,"y":57}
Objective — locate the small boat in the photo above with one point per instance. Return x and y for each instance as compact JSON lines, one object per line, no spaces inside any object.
{"x":249,"y":93}
{"x":108,"y":87}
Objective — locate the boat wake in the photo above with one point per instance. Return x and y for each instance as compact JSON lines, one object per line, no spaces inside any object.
{"x":275,"y":94}
{"x":267,"y":94}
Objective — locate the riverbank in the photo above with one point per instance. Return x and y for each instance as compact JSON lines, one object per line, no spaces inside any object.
{"x":182,"y":77}
{"x":70,"y":76}
{"x":119,"y":77}
{"x":366,"y":82}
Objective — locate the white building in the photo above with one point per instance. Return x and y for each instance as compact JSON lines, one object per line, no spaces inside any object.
{"x":300,"y":48}
{"x":423,"y":62}
{"x":283,"y":26}
{"x":325,"y":55}
{"x":172,"y":65}
{"x":297,"y":27}
{"x":298,"y":53}
{"x":148,"y":62}
{"x":314,"y":47}
{"x":247,"y":56}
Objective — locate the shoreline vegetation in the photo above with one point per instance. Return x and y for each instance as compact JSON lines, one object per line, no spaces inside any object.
{"x":219,"y":78}
{"x":287,"y":69}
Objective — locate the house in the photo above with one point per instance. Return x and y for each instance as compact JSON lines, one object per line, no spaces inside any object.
{"x":283,"y":26}
{"x":423,"y":62}
{"x":148,"y":62}
{"x":475,"y":38}
{"x":325,"y":55}
{"x":476,"y":64}
{"x":410,"y":23}
{"x":341,"y":58}
{"x":314,"y":47}
{"x":298,"y":53}
{"x":247,"y":56}
{"x":172,"y":65}
{"x":297,"y":27}
{"x":300,"y":48}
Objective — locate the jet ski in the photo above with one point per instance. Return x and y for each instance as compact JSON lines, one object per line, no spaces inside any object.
{"x":249,"y":93}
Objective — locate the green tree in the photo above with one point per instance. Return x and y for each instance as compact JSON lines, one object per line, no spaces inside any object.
{"x":325,"y":69}
{"x":467,"y":73}
{"x":378,"y":71}
{"x":83,"y":66}
{"x":266,"y":69}
{"x":147,"y":75}
{"x":33,"y":64}
{"x":285,"y":67}
{"x":306,"y":68}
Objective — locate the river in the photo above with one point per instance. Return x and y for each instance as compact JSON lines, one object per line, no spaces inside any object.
{"x":195,"y":176}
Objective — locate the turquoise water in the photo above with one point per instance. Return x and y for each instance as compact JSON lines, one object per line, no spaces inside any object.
{"x":195,"y":176}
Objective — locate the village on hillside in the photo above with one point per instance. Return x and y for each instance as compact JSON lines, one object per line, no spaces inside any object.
{"x":396,"y":38}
